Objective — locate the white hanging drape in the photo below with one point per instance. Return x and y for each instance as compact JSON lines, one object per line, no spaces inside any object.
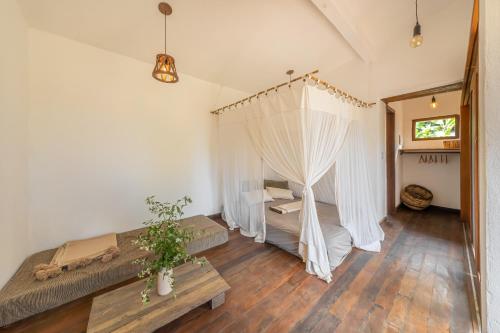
{"x":299,"y":131}
{"x":324,"y":189}
{"x":242,"y":178}
{"x":354,"y":193}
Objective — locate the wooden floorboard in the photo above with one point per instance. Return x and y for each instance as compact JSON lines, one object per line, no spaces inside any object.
{"x":417,"y":283}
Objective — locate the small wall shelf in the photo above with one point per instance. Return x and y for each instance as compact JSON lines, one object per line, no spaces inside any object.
{"x":429,"y":151}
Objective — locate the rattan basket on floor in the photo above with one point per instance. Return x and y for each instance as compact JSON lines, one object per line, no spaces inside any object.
{"x":416,"y":197}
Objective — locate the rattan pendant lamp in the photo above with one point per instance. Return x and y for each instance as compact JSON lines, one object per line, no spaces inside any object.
{"x":164,"y":70}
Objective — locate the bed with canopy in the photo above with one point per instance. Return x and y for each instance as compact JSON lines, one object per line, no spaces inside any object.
{"x":310,"y":134}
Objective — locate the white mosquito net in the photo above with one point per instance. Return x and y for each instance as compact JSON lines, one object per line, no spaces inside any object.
{"x":300,"y":132}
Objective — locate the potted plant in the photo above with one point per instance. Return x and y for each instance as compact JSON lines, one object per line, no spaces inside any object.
{"x":166,"y":241}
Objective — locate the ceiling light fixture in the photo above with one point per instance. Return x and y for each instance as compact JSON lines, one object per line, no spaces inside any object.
{"x":164,"y":70}
{"x":417,"y":38}
{"x":434,"y":104}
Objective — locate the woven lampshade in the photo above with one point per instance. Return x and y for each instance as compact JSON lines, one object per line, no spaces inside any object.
{"x":164,"y":70}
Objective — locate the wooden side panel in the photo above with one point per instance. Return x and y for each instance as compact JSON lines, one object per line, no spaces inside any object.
{"x":475,"y":189}
{"x":465,"y":183}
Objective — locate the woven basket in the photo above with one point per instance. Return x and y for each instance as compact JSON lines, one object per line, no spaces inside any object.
{"x":416,"y":197}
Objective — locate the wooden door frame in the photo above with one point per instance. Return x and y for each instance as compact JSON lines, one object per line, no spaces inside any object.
{"x":390,"y":142}
{"x":470,"y":146}
{"x":471,"y":86}
{"x":390,"y":139}
{"x":426,"y":92}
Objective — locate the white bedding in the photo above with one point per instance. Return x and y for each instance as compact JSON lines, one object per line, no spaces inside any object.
{"x":283,"y":231}
{"x":287,"y":208}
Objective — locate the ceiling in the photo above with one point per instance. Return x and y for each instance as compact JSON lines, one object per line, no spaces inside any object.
{"x":248,"y":45}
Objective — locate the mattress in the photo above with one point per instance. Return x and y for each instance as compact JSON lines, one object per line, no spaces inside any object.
{"x":283,"y":231}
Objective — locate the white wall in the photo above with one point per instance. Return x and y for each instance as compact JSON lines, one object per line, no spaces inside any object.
{"x":448,"y":103}
{"x":103,"y":135}
{"x":398,"y":143}
{"x":374,"y":125}
{"x":443,"y":179}
{"x":489,"y":167}
{"x":13,"y":136}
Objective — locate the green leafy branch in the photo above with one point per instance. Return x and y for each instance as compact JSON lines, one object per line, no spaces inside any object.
{"x":165,"y":239}
{"x":436,"y":128}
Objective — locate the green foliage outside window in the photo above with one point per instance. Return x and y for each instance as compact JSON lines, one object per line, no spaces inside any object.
{"x":436,"y":128}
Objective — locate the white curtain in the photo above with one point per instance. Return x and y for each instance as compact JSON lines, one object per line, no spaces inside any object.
{"x":242,"y":177}
{"x":324,"y":189}
{"x":299,"y":132}
{"x":303,"y":133}
{"x":353,"y":190}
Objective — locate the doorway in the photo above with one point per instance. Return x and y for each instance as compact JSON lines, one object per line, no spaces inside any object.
{"x":393,"y":148}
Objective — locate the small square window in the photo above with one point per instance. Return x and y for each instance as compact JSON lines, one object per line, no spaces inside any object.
{"x":436,"y":128}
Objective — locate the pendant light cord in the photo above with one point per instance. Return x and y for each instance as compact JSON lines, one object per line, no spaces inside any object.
{"x":416,"y":10}
{"x":165,"y":33}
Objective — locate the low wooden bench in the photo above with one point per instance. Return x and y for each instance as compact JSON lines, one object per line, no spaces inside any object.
{"x":121,"y":310}
{"x":23,"y":296}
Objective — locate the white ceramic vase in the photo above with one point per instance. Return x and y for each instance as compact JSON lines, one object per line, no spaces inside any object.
{"x":164,"y":282}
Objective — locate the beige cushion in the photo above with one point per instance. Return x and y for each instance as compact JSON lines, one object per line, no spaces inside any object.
{"x":279,"y":193}
{"x":77,"y":250}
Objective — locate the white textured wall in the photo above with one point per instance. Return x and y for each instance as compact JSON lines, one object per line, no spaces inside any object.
{"x":103,"y":135}
{"x":374,"y":125}
{"x":14,"y":241}
{"x":442,"y":179}
{"x":489,"y":122}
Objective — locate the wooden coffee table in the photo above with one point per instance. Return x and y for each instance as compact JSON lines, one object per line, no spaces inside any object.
{"x":121,"y":310}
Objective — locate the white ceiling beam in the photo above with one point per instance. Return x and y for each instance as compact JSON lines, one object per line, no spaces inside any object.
{"x":342,"y":21}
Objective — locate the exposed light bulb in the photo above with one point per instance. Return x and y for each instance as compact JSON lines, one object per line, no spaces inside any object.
{"x":416,"y":41}
{"x":417,"y":38}
{"x":434,"y":104}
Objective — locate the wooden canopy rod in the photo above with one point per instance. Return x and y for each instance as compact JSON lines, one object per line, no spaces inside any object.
{"x":328,"y":86}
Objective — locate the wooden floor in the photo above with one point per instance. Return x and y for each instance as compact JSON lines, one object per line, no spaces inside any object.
{"x":416,"y":284}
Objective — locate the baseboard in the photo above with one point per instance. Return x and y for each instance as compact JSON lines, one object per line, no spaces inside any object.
{"x":446,"y":209}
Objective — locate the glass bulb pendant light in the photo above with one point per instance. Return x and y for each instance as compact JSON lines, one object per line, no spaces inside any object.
{"x":165,"y":70}
{"x":417,"y":38}
{"x":434,"y":104}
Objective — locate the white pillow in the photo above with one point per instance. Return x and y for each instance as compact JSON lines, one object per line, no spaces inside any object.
{"x":267,"y":196}
{"x":280,"y":193}
{"x":255,"y":197}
